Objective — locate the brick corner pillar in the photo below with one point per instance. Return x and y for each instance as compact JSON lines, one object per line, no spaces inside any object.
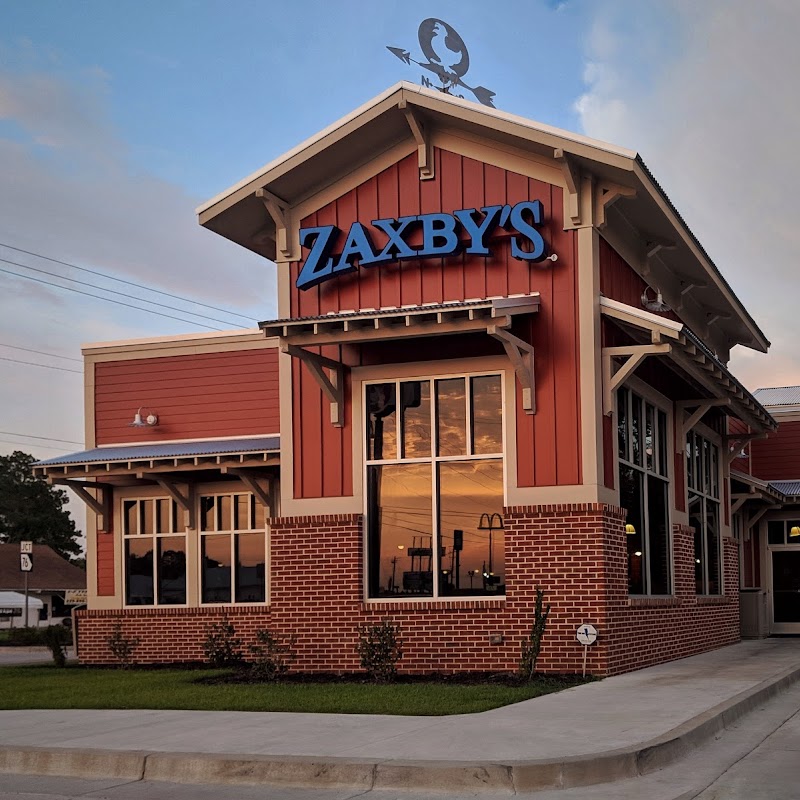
{"x":572,"y":552}
{"x":316,"y":588}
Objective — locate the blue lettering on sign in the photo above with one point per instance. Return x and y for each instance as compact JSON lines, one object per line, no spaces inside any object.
{"x":441,"y":236}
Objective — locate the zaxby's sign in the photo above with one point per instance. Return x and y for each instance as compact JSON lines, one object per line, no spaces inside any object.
{"x":442,"y":235}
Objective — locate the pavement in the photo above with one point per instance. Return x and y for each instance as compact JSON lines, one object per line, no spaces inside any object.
{"x":20,"y":656}
{"x":612,"y":730}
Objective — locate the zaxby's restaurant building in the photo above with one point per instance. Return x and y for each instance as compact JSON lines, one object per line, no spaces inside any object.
{"x":500,"y":364}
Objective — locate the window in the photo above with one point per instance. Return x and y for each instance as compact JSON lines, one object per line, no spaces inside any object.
{"x":702,"y":478}
{"x":233,"y":547}
{"x":434,"y":454}
{"x":155,"y":552}
{"x":783,"y":532}
{"x":644,"y":493}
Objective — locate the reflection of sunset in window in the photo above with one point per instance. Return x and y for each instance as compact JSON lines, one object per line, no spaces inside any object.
{"x":435,"y":523}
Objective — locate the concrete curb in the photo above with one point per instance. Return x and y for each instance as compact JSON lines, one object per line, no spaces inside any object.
{"x":365,"y":774}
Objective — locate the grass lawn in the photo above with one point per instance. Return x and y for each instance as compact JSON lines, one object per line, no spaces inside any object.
{"x":78,"y":687}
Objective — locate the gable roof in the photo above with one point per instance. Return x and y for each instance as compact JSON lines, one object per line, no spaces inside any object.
{"x":377,"y":126}
{"x":50,"y":571}
{"x":779,"y":396}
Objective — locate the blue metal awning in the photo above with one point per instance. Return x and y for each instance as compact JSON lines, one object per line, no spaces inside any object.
{"x":163,"y":451}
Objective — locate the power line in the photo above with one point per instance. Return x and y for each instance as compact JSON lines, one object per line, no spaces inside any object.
{"x":40,"y":352}
{"x":34,"y":364}
{"x":121,"y":280}
{"x":121,"y":294}
{"x":107,"y":299}
{"x":42,"y":446}
{"x":45,"y":438}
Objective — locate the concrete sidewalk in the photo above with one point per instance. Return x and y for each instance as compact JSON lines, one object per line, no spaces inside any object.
{"x":616,"y":728}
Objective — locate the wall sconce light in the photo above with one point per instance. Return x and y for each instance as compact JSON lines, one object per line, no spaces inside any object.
{"x":654,"y":305}
{"x":630,"y":529}
{"x":794,"y":532}
{"x":149,"y":421}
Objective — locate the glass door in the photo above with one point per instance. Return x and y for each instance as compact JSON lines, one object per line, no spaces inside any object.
{"x":785,"y":591}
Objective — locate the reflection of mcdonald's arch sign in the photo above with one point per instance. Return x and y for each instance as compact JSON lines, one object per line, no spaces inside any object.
{"x":443,"y":235}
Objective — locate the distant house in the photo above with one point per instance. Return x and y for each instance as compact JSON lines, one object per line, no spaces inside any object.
{"x":50,"y":577}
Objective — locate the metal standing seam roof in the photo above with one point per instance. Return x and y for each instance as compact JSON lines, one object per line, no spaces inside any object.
{"x":789,"y":488}
{"x":779,"y":396}
{"x":137,"y":452}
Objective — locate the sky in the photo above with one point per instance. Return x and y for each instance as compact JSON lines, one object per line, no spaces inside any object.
{"x":118,"y":119}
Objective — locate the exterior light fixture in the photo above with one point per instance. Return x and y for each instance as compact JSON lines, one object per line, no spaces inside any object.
{"x":150,"y":420}
{"x":638,"y":553}
{"x":794,"y":532}
{"x":654,"y":305}
{"x":630,"y":529}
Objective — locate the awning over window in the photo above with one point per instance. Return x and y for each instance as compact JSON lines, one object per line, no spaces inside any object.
{"x":658,"y":336}
{"x":171,"y":465}
{"x":493,"y":316}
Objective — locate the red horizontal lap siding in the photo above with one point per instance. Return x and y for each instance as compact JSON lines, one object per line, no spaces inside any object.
{"x":778,"y":457}
{"x":202,"y":395}
{"x":549,"y":442}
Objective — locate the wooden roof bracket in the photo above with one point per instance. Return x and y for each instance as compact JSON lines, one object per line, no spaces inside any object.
{"x":750,"y":523}
{"x":185,"y":501}
{"x":332,"y":387}
{"x":684,"y":424}
{"x":100,"y":505}
{"x":422,"y":138}
{"x":572,"y":177}
{"x":278,"y":209}
{"x":521,"y":355}
{"x":635,"y":355}
{"x":607,"y":195}
{"x":251,"y":482}
{"x":738,"y":440}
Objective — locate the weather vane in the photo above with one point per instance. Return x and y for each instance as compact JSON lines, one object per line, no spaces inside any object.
{"x":448,"y":59}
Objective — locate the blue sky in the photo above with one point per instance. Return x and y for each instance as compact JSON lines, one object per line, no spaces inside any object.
{"x":118,"y":118}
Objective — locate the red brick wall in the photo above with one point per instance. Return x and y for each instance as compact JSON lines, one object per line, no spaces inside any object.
{"x":576,"y":553}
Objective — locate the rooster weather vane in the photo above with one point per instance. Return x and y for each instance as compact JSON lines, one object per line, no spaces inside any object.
{"x":448,"y":59}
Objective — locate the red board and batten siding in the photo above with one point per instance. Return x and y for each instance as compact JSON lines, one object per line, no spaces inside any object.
{"x":196,"y":396}
{"x":548,"y":443}
{"x":778,"y":457}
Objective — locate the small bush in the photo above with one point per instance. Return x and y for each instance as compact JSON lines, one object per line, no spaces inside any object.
{"x":121,"y":646}
{"x":222,"y":647}
{"x":380,"y":648}
{"x":57,"y":638}
{"x":25,"y":637}
{"x":273,"y":655}
{"x":532,"y":643}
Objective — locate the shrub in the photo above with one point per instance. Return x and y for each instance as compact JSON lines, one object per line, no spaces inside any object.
{"x":380,"y":648}
{"x":222,"y":647}
{"x":122,"y":646}
{"x":532,"y":643}
{"x":57,"y":638}
{"x":273,"y":655}
{"x":25,"y":637}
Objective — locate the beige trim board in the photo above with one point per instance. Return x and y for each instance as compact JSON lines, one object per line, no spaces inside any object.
{"x":132,"y":350}
{"x":550,"y":495}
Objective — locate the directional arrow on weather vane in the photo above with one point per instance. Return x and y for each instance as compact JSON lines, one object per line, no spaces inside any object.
{"x":447,"y":58}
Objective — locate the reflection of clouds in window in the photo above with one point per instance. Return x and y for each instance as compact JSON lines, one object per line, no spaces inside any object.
{"x":415,"y":398}
{"x":451,"y":411}
{"x":487,"y":415}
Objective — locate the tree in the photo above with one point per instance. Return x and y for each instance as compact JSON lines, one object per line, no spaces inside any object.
{"x":32,"y":510}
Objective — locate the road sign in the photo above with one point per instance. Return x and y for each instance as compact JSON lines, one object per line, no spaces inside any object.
{"x":75,"y":597}
{"x":587,"y":634}
{"x":25,"y":562}
{"x":26,"y":547}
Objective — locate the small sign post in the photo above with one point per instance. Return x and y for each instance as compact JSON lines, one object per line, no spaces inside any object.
{"x":26,"y":565}
{"x":586,"y":635}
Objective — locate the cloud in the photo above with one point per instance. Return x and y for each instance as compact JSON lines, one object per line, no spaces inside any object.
{"x":704,"y":92}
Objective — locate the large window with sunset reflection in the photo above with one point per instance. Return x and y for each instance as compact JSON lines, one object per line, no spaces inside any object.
{"x":434,"y":453}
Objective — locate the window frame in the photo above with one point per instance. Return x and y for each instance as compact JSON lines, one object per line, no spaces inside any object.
{"x":231,"y":533}
{"x":716,"y":480}
{"x":649,"y":396}
{"x":433,"y":460}
{"x":177,"y":515}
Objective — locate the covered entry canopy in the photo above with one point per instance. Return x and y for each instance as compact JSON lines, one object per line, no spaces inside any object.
{"x":16,"y":601}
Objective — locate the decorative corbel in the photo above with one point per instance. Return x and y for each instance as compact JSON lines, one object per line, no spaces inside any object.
{"x":421,"y":136}
{"x":607,"y":195}
{"x":332,"y":387}
{"x":520,"y":353}
{"x":572,"y":177}
{"x":99,"y":505}
{"x":684,"y":424}
{"x":185,"y":501}
{"x":634,"y":355}
{"x":262,"y":495}
{"x":278,"y":209}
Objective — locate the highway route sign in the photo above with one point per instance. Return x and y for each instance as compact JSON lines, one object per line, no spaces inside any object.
{"x":25,"y":562}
